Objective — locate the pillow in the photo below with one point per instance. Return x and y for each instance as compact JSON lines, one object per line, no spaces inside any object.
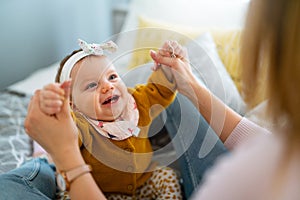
{"x":208,"y":67}
{"x":137,"y":75}
{"x":152,"y":34}
{"x":227,"y":41}
{"x":228,"y":46}
{"x":35,"y":81}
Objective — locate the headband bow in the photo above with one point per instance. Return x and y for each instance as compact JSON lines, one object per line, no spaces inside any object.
{"x":87,"y":49}
{"x":97,"y":49}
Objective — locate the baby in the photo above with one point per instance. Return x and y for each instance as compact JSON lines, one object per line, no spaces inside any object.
{"x":113,"y":123}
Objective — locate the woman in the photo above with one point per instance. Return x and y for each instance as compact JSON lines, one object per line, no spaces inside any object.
{"x":265,"y":167}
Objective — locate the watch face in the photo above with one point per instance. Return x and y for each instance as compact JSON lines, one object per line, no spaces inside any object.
{"x":61,"y":183}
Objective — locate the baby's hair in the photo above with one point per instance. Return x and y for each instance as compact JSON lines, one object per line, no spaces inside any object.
{"x":62,"y":64}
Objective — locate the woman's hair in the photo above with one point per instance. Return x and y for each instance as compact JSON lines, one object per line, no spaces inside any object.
{"x":271,"y":43}
{"x":61,"y":65}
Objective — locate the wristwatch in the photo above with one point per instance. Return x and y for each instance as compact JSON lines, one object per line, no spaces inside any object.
{"x":65,"y":178}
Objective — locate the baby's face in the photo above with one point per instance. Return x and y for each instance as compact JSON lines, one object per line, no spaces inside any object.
{"x":97,"y":90}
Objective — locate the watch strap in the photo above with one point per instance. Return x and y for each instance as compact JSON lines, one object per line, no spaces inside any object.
{"x":76,"y":172}
{"x":73,"y":174}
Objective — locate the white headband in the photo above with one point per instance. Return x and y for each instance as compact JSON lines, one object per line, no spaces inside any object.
{"x":87,"y":49}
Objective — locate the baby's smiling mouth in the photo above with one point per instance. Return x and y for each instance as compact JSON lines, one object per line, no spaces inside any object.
{"x":111,"y":100}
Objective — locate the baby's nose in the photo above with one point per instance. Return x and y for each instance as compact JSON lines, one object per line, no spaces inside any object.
{"x":106,"y":86}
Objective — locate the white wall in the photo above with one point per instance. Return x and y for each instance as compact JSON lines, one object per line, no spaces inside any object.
{"x":37,"y":33}
{"x":203,"y":13}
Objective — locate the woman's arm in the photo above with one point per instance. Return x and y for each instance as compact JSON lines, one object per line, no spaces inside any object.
{"x":58,"y":136}
{"x":220,"y":117}
{"x":83,"y":187}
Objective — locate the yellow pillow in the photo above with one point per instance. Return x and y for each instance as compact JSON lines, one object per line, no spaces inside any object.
{"x":228,"y":46}
{"x":227,"y":42}
{"x":151,"y":34}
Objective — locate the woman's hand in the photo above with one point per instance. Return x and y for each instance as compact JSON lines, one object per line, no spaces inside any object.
{"x":57,"y":134}
{"x":175,"y":56}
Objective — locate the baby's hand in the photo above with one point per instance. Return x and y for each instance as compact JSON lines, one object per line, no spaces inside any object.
{"x":174,"y":51}
{"x":52,"y":98}
{"x":175,"y":59}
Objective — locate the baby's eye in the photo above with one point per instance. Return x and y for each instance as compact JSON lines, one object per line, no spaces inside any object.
{"x":91,"y":85}
{"x":113,"y":76}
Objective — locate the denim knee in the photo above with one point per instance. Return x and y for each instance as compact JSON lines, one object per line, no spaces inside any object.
{"x":35,"y":179}
{"x":195,"y":143}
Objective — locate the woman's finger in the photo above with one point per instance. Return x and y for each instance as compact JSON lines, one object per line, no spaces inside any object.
{"x":32,"y":112}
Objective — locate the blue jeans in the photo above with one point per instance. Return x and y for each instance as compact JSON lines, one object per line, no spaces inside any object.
{"x":197,"y":146}
{"x":35,"y":179}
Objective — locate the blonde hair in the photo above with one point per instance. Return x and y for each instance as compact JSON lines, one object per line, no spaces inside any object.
{"x":271,"y":42}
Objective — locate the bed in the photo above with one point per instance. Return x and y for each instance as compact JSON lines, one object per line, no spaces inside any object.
{"x":209,"y":39}
{"x":15,"y":146}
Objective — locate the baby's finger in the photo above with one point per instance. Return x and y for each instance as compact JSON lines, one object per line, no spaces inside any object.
{"x":166,"y":49}
{"x":179,"y":50}
{"x":52,"y":103}
{"x":164,"y":52}
{"x":166,"y":46}
{"x":51,"y":107}
{"x":50,"y":95}
{"x":54,"y":87}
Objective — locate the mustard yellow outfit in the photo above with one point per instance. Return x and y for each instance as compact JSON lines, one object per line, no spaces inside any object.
{"x":121,"y":166}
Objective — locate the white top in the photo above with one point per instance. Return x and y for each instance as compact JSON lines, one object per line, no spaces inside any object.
{"x":244,"y":130}
{"x":250,"y":171}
